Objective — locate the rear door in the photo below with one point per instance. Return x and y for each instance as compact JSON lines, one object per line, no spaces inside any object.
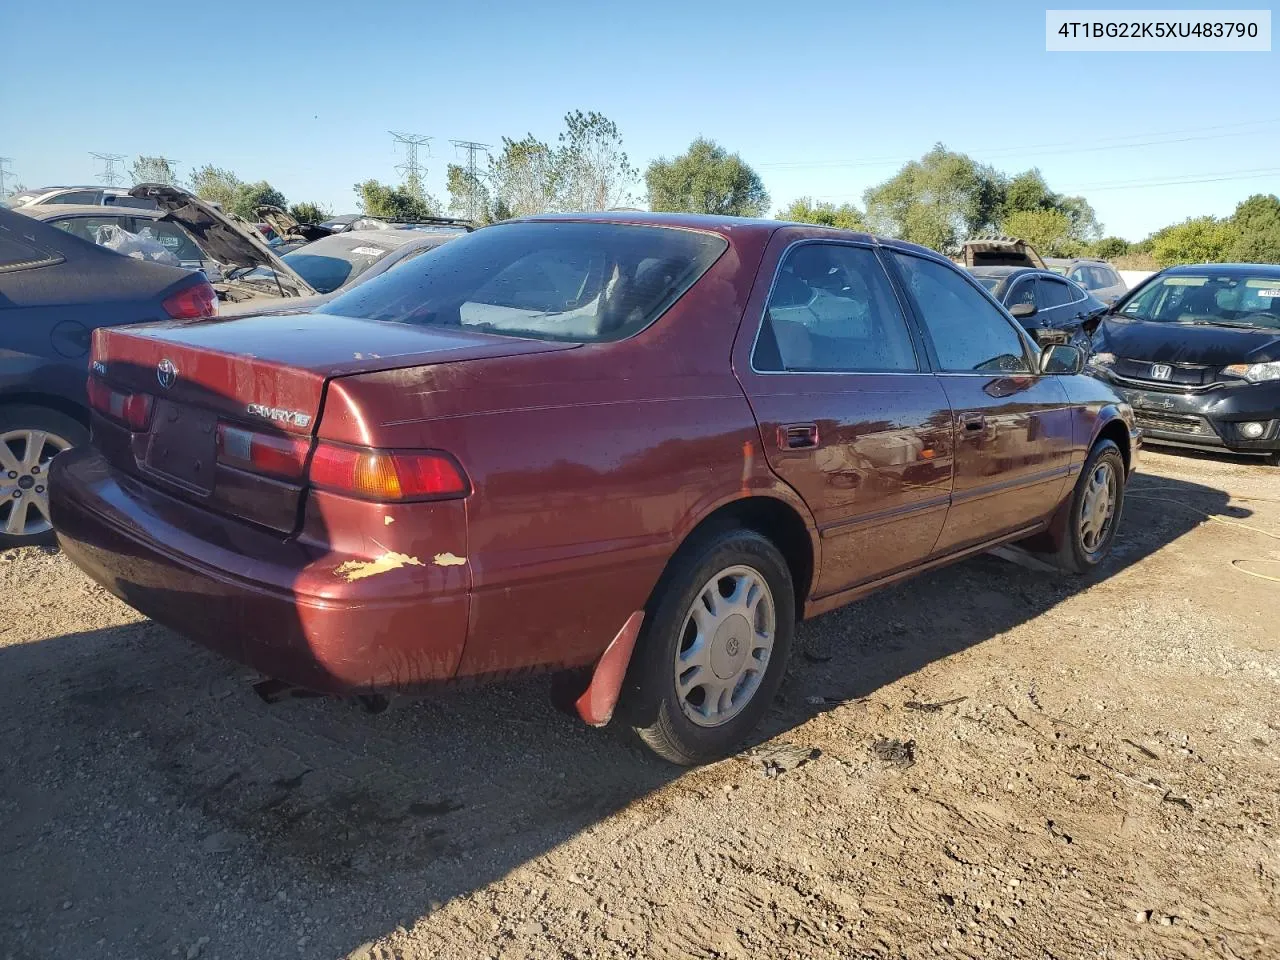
{"x":1012,"y":427}
{"x":849,"y":414}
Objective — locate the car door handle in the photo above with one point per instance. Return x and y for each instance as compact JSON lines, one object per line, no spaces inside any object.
{"x":797,"y":436}
{"x":975,"y":423}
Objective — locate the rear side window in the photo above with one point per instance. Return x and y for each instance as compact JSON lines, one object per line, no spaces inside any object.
{"x":575,"y":281}
{"x":1054,"y":293}
{"x":969,"y":333}
{"x":832,"y":309}
{"x":75,"y":196}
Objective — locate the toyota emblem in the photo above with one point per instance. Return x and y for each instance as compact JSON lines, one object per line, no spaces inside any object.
{"x":1161,"y":371}
{"x":166,"y":373}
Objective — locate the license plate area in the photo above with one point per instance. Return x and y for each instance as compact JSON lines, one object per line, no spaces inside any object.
{"x":182,"y":447}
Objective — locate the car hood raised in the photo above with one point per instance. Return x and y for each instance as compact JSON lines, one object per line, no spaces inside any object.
{"x":1186,"y":343}
{"x":219,"y":235}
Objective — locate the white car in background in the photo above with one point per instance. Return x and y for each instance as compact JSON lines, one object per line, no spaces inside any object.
{"x":80,"y":196}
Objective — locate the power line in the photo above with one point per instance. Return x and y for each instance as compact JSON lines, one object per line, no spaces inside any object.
{"x":473,"y":178}
{"x":110,"y":175}
{"x":1220,"y":177}
{"x":410,"y":168}
{"x":1068,"y":147}
{"x":4,"y":161}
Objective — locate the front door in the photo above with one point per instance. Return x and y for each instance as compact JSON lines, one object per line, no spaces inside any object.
{"x":1013,"y":427}
{"x":849,"y":415}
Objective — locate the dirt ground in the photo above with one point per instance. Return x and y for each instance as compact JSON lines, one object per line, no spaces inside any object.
{"x":985,"y":762}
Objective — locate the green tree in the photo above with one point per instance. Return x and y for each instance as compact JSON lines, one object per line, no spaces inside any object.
{"x":153,"y":170}
{"x":215,"y":185}
{"x":250,"y":196}
{"x":1048,"y":230}
{"x":1257,"y":223}
{"x":593,"y":172}
{"x":393,"y":203}
{"x":525,"y":177}
{"x":310,"y":212}
{"x":1028,"y":191}
{"x":1084,"y":221}
{"x":1108,"y":248}
{"x":937,"y":201}
{"x":706,"y":179}
{"x":804,"y":210}
{"x":1195,"y":240}
{"x":468,"y":195}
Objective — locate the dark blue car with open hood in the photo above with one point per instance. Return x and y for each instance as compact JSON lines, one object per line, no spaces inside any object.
{"x":1196,"y":351}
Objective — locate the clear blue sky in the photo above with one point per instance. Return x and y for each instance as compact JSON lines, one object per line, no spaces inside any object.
{"x":823,"y":98}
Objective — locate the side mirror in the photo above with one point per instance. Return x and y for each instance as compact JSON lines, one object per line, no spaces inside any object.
{"x":1061,"y":358}
{"x":1021,"y":311}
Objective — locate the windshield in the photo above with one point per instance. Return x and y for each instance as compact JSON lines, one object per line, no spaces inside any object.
{"x":1234,"y":300}
{"x":577,"y":281}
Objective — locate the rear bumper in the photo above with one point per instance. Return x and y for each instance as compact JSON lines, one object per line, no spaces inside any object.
{"x":276,"y":605}
{"x":1210,"y":420}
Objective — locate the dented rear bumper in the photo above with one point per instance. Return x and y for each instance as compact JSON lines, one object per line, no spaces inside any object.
{"x":376,"y":611}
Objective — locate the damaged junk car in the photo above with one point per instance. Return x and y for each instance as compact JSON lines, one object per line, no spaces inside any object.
{"x":1196,"y":351}
{"x":634,"y":449}
{"x":197,"y":234}
{"x":54,"y":289}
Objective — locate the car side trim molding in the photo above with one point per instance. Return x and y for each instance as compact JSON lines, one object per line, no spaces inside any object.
{"x":923,"y":508}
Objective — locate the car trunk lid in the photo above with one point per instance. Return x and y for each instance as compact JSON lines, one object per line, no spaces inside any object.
{"x":264,"y":374}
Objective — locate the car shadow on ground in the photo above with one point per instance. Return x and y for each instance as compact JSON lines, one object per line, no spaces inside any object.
{"x":184,"y":804}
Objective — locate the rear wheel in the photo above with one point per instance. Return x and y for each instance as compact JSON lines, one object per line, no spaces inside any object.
{"x":713,"y":648}
{"x":30,"y":437}
{"x":1093,"y":511}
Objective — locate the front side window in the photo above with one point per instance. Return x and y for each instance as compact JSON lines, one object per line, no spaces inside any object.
{"x":576,"y":281}
{"x":833,"y":309}
{"x":969,"y":333}
{"x":1024,"y":292}
{"x":75,"y":196}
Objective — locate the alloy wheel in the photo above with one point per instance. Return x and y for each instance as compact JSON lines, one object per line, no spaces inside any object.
{"x":724,"y":648}
{"x":24,"y":480}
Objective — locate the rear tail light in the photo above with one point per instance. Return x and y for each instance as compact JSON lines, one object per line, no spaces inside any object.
{"x":189,"y":303}
{"x":131,"y":409}
{"x":267,"y":453}
{"x":387,"y":475}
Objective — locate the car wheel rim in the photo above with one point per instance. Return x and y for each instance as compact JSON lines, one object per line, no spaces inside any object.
{"x":724,"y":646}
{"x":1098,"y":507}
{"x":24,"y":480}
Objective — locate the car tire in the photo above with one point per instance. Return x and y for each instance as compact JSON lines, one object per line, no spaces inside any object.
{"x":24,"y":497}
{"x":1085,"y":539}
{"x":723,"y":613}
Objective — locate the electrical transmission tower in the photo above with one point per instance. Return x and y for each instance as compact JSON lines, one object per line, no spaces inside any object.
{"x":410,"y":169}
{"x":110,"y":175}
{"x":4,"y":163}
{"x":473,"y":177}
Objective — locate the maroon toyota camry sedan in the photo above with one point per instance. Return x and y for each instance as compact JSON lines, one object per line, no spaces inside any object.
{"x":639,"y":445}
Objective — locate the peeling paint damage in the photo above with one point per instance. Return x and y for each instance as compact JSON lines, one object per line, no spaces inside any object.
{"x":359,"y":569}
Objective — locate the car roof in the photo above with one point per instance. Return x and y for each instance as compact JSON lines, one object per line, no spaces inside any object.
{"x":57,"y":211}
{"x":1231,"y":269}
{"x":1007,"y":270}
{"x":1065,"y":261}
{"x":727,"y":227}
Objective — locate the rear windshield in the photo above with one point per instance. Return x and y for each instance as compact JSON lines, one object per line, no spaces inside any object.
{"x":1226,"y":300}
{"x":330,"y":262}
{"x":581,"y":282}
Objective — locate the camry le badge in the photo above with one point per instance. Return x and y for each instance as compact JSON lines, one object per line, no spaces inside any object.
{"x":1161,"y":371}
{"x":166,"y":373}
